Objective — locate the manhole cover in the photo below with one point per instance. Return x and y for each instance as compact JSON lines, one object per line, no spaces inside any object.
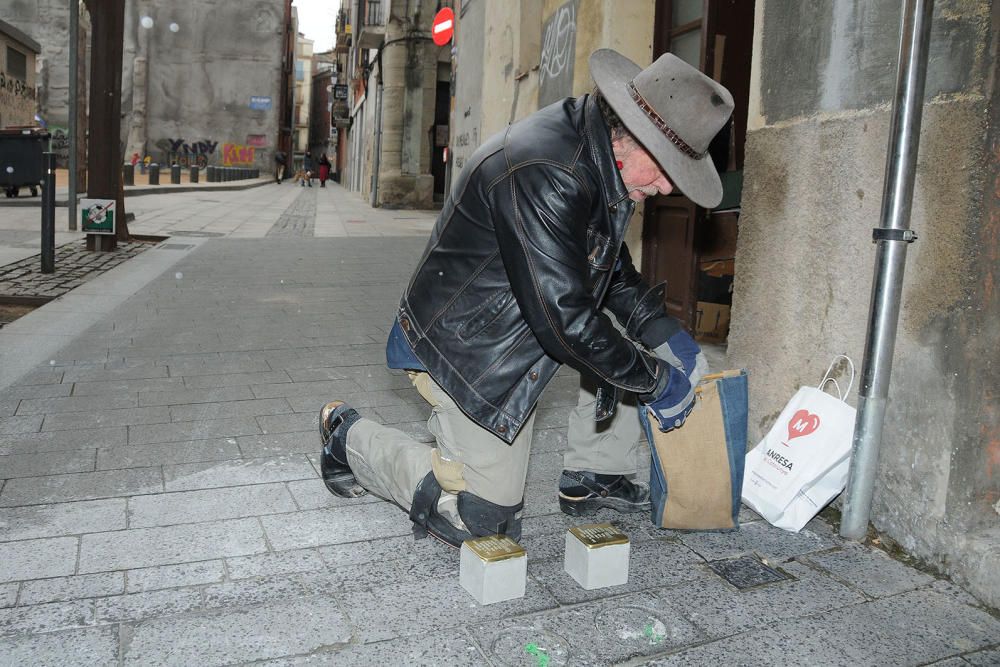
{"x":175,"y":246}
{"x":196,"y":234}
{"x":746,"y":572}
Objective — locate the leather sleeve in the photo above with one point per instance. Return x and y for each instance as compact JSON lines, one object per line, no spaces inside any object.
{"x":540,"y":213}
{"x":637,"y":306}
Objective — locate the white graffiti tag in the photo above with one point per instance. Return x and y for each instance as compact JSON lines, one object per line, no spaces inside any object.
{"x":558,"y":47}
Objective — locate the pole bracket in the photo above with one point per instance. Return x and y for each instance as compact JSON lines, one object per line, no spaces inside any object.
{"x":893,"y":234}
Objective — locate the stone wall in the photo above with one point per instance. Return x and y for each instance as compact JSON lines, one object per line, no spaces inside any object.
{"x":815,"y":157}
{"x":208,"y":76}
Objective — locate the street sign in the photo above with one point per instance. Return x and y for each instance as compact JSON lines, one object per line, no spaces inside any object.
{"x":260,"y":102}
{"x":97,"y":216}
{"x":443,"y":27}
{"x":340,"y":91}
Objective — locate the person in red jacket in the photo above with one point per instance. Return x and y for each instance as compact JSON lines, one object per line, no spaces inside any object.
{"x":324,"y":170}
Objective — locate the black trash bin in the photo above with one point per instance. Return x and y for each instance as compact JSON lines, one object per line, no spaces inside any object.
{"x":21,"y":163}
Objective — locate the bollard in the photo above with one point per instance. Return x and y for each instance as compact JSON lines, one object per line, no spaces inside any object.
{"x":194,"y":173}
{"x":49,"y":213}
{"x":175,"y":174}
{"x":210,"y":174}
{"x":128,"y":174}
{"x":154,"y":174}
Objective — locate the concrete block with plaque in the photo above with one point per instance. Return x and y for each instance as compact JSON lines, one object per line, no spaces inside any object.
{"x":493,"y":569}
{"x":597,"y":555}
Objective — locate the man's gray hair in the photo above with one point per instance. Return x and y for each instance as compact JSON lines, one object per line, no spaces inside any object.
{"x":611,"y":118}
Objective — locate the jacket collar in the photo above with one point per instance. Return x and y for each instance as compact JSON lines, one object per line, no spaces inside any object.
{"x":598,"y":139}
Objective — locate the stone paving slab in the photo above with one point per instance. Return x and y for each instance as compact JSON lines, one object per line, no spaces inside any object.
{"x":63,"y":589}
{"x":33,"y":465}
{"x":90,"y":646}
{"x":35,"y":559}
{"x":60,"y":519}
{"x":174,"y":576}
{"x":8,"y":594}
{"x":207,"y":504}
{"x":617,"y":629}
{"x":146,"y":547}
{"x":141,"y":456}
{"x":81,"y":486}
{"x":234,"y":636}
{"x":54,"y":441}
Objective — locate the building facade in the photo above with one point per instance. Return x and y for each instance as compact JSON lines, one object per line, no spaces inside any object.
{"x":321,"y":136}
{"x":202,"y":83}
{"x":303,"y":91}
{"x":18,"y":103}
{"x":399,"y":95}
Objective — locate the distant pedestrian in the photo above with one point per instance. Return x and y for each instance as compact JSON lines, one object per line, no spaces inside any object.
{"x":324,"y":170}
{"x":135,"y":159}
{"x":280,"y":161}
{"x":145,"y":164}
{"x":309,"y":168}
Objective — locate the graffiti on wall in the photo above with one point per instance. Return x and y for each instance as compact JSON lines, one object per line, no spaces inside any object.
{"x":186,"y":154}
{"x":60,"y":143}
{"x":238,"y":155}
{"x":16,"y":86}
{"x":555,"y":73}
{"x":465,"y":144}
{"x":17,"y":101}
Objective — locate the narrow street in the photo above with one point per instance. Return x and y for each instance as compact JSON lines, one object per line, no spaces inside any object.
{"x":160,"y":501}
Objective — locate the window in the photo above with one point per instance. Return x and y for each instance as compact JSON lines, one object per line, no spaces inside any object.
{"x":17,"y":64}
{"x":300,"y":70}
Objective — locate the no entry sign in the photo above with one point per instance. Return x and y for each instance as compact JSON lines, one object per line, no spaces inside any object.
{"x":443,"y":27}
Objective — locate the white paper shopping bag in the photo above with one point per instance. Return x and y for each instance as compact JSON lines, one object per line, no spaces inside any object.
{"x":803,"y":461}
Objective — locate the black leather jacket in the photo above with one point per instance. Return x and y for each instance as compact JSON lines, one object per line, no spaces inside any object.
{"x":526,"y":252}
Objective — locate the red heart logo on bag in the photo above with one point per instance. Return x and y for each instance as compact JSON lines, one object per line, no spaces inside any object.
{"x":802,"y":423}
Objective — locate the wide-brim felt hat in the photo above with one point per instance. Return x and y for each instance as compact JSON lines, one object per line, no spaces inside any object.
{"x":674,"y":111}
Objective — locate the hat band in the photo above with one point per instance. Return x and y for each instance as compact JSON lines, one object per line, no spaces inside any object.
{"x":661,"y":124}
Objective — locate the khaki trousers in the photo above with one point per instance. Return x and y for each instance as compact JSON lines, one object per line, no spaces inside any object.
{"x":467,"y":457}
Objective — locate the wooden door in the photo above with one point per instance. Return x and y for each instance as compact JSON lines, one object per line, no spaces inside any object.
{"x":716,"y":37}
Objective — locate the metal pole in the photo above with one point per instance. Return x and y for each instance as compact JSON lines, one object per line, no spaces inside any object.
{"x":74,"y":93}
{"x":891,"y":238}
{"x":49,"y":213}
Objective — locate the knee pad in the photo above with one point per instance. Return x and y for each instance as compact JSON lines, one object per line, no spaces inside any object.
{"x":481,"y":517}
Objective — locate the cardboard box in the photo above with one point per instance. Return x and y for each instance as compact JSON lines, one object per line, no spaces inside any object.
{"x":712,"y":322}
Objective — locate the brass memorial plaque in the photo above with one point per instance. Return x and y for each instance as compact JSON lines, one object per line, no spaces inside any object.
{"x":596,"y":535}
{"x":493,"y":548}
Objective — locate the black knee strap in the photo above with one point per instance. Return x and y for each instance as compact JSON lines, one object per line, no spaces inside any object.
{"x":480,"y":516}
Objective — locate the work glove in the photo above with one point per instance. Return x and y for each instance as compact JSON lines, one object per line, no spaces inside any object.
{"x":685,"y":365}
{"x":681,"y":352}
{"x":672,"y":399}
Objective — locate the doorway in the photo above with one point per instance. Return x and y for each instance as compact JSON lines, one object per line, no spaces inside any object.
{"x":689,"y":247}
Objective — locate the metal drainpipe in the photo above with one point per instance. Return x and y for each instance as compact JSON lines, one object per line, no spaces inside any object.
{"x":891,"y":238}
{"x":74,"y":93}
{"x":377,"y":152}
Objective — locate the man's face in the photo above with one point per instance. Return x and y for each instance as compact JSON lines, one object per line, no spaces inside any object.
{"x":640,"y":172}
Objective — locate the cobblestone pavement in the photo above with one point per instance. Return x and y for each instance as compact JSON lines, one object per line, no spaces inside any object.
{"x":161,"y":504}
{"x":74,"y":265}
